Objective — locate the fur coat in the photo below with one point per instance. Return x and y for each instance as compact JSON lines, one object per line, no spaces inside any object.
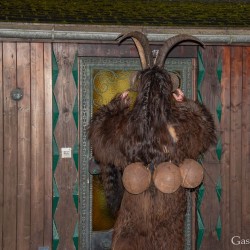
{"x":156,"y":129}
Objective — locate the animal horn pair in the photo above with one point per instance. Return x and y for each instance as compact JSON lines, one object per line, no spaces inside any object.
{"x":145,"y":53}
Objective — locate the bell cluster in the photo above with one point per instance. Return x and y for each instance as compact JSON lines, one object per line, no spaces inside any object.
{"x":167,"y":177}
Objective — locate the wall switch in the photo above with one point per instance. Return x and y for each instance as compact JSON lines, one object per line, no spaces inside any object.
{"x":66,"y":152}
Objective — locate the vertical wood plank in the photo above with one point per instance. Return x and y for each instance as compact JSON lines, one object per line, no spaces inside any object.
{"x":225,"y":136}
{"x":235,"y":143}
{"x":210,"y":206}
{"x":23,"y":190}
{"x":1,"y":146}
{"x":37,"y":145}
{"x":48,"y":145}
{"x":246,"y":144}
{"x":10,"y":147}
{"x":65,"y":135}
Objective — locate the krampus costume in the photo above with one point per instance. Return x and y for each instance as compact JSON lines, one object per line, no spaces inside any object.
{"x":156,"y":129}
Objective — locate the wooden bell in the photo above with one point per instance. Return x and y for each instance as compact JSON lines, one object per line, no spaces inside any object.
{"x":136,"y":178}
{"x":167,"y":177}
{"x":192,"y":173}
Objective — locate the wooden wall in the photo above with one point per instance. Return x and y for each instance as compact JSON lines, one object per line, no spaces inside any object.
{"x":226,"y":89}
{"x":235,"y":126}
{"x":26,"y":144}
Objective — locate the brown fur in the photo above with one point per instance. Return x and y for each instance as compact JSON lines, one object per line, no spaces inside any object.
{"x":155,"y":130}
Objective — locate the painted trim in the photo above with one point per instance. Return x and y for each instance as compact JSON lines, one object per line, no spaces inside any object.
{"x":73,"y":35}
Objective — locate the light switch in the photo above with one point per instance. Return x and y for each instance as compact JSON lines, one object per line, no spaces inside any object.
{"x":66,"y":152}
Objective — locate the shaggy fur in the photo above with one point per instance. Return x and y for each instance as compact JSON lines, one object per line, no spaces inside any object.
{"x":155,"y":130}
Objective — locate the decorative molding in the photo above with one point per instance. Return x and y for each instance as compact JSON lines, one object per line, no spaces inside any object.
{"x":96,"y":33}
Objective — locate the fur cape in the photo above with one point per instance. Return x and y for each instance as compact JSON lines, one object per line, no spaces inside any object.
{"x":156,"y":129}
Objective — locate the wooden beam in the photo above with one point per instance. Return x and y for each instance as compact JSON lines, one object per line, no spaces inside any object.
{"x":129,"y":50}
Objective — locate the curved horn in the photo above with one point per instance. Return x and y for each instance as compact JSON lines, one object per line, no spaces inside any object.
{"x":142,"y":44}
{"x":175,"y":79}
{"x":170,"y":43}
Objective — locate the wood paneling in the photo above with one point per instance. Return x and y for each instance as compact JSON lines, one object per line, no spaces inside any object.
{"x":10,"y":148}
{"x":1,"y":146}
{"x":225,"y":135}
{"x":245,"y":154}
{"x":235,"y":170}
{"x":48,"y":145}
{"x":37,"y":145}
{"x":235,"y":142}
{"x":25,"y":148}
{"x":24,"y":139}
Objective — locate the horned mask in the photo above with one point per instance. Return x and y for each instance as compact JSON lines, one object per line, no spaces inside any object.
{"x":146,"y":56}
